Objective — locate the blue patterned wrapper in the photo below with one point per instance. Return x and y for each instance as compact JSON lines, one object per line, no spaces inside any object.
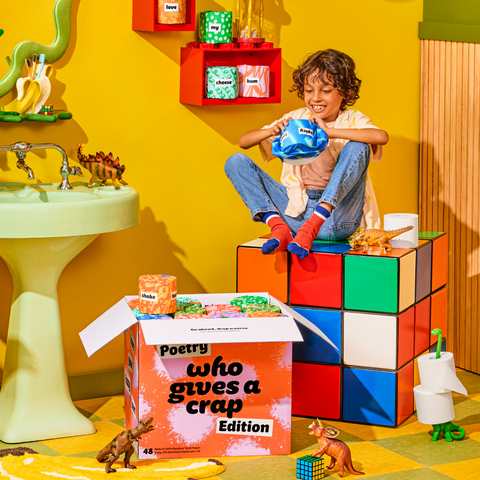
{"x":300,"y":142}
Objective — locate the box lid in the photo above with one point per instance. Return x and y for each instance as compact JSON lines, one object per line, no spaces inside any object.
{"x":234,"y":330}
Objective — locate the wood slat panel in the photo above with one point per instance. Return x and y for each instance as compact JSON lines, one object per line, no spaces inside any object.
{"x":449,"y":180}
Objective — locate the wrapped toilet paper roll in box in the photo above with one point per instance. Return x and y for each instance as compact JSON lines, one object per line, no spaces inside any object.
{"x":394,"y":221}
{"x":221,"y":82}
{"x":253,"y":81}
{"x":172,"y":12}
{"x":433,"y":408}
{"x":437,"y":375}
{"x":215,"y":27}
{"x":157,"y":294}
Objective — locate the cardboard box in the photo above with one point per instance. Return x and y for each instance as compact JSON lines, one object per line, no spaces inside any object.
{"x":219,"y":387}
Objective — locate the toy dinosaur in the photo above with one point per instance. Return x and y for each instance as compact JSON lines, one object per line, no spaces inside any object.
{"x":448,"y":429}
{"x":102,"y":167}
{"x":336,"y":449}
{"x":375,"y":237}
{"x":123,"y":443}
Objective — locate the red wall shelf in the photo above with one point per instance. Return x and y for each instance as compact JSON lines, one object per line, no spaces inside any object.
{"x":145,"y":14}
{"x":195,"y":60}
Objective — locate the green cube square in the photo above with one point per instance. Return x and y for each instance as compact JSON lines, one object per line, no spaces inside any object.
{"x":378,"y":281}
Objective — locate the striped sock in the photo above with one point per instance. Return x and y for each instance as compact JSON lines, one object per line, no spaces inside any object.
{"x":281,"y":234}
{"x":303,"y":241}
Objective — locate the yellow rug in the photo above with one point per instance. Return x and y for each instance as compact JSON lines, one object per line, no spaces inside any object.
{"x":43,"y":467}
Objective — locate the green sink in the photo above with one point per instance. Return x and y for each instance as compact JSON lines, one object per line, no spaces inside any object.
{"x":41,"y":230}
{"x":41,"y":210}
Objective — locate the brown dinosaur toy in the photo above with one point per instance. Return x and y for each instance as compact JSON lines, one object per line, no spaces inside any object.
{"x":375,"y":237}
{"x":102,"y":167}
{"x":123,"y":443}
{"x":336,"y":449}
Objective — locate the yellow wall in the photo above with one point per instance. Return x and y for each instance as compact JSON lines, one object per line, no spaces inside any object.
{"x":122,"y":88}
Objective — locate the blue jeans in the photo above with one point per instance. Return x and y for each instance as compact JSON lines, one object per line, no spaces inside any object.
{"x":345,"y":192}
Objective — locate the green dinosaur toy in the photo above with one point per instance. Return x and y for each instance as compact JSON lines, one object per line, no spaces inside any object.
{"x":448,"y":429}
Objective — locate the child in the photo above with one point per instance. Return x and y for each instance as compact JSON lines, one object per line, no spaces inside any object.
{"x":324,"y":199}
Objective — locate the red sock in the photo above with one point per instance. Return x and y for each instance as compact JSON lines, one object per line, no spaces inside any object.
{"x":303,"y":241}
{"x":281,"y":235}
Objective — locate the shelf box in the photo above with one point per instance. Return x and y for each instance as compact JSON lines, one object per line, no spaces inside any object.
{"x":145,"y":14}
{"x":192,"y":73}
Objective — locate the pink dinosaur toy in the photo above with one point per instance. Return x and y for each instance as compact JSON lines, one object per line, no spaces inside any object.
{"x":336,"y":449}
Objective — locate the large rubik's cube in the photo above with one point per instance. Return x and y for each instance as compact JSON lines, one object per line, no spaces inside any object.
{"x":378,"y":308}
{"x":310,"y":468}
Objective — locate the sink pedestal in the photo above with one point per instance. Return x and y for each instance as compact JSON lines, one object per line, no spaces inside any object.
{"x":35,"y":402}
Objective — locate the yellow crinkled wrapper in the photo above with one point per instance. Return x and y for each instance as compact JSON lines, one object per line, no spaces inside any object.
{"x":44,"y":467}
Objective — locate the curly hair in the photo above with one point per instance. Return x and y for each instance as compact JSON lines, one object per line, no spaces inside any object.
{"x":332,"y":66}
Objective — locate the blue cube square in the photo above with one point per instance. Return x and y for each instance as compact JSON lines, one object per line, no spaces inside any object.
{"x":378,"y":397}
{"x":313,"y":348}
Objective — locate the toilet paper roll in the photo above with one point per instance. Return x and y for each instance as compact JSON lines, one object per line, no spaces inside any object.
{"x":433,"y":408}
{"x":172,"y":12}
{"x":394,"y":221}
{"x":157,"y":294}
{"x":438,"y":375}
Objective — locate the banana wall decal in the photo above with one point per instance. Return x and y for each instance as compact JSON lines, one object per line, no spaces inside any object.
{"x":63,"y":28}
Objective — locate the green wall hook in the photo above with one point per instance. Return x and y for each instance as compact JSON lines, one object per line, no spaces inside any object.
{"x":437,"y":331}
{"x":63,"y":28}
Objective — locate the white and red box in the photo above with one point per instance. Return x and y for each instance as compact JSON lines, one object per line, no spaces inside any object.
{"x":213,"y":386}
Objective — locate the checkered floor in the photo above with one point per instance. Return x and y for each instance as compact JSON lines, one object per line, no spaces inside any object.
{"x":400,"y":453}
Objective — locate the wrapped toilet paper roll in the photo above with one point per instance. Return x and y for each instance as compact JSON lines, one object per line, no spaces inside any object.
{"x":433,"y":408}
{"x":394,"y":221}
{"x":172,"y":12}
{"x":157,"y":294}
{"x":438,"y":375}
{"x":221,"y":82}
{"x":253,"y":81}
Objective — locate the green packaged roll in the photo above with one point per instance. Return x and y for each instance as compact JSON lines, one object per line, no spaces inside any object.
{"x":260,"y":307}
{"x":215,"y":27}
{"x":221,"y":82}
{"x":187,"y":301}
{"x":249,"y":300}
{"x":194,"y":309}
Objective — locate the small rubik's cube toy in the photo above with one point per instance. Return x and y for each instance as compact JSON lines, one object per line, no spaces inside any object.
{"x":47,"y":110}
{"x":310,"y":468}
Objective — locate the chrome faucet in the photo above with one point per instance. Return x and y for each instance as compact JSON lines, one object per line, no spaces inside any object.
{"x":22,"y":148}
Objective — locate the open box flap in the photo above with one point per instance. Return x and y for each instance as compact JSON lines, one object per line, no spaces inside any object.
{"x":220,"y":330}
{"x":163,"y":332}
{"x":304,"y":321}
{"x":107,"y":326}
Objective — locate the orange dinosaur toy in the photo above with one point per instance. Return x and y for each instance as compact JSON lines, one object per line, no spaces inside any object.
{"x":336,"y":449}
{"x":123,"y":443}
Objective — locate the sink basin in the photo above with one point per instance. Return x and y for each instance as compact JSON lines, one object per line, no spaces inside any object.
{"x":41,"y":230}
{"x":41,"y":210}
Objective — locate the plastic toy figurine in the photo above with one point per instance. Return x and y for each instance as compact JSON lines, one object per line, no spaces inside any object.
{"x":434,"y":394}
{"x":102,"y":168}
{"x":448,"y":429}
{"x":123,"y":443}
{"x":375,"y":237}
{"x":336,"y":449}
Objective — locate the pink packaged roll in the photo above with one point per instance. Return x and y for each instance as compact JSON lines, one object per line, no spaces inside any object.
{"x":253,"y":81}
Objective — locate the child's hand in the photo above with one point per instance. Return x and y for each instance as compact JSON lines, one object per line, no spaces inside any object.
{"x":319,"y":121}
{"x":279,"y":126}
